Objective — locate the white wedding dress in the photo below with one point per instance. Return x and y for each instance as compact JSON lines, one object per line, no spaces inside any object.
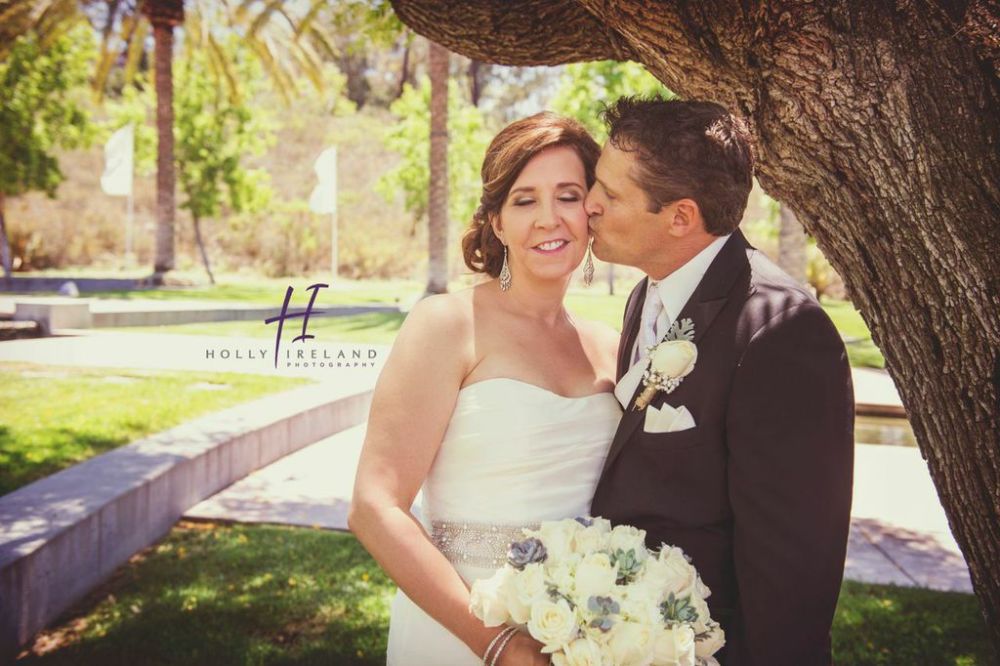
{"x":514,"y":454}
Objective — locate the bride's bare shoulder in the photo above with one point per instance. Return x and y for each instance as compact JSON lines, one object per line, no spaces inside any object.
{"x":448,"y":314}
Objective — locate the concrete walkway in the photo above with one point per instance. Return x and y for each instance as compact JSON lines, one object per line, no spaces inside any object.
{"x":899,"y":534}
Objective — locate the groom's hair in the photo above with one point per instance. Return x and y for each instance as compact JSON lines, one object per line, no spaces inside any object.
{"x":686,"y":150}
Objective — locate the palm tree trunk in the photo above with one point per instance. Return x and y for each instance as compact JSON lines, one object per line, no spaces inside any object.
{"x":164,"y":15}
{"x":165,"y":177}
{"x":437,"y":210}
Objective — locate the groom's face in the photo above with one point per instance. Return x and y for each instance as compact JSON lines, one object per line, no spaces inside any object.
{"x":624,"y":229}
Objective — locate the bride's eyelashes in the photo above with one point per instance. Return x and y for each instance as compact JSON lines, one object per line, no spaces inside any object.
{"x":570,"y":198}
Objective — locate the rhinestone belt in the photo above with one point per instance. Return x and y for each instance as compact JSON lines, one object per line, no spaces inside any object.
{"x":479,"y":544}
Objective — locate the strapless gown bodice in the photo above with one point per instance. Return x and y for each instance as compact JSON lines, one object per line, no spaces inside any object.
{"x":514,"y":454}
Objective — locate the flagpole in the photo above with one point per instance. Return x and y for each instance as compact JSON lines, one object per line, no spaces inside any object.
{"x":335,"y":232}
{"x":129,"y":219}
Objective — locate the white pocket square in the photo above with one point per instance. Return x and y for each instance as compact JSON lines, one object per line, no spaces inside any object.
{"x":667,"y":419}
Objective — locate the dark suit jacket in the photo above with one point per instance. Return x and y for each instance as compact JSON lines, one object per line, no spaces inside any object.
{"x":758,"y":493}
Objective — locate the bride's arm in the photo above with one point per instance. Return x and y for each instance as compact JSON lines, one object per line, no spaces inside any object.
{"x":413,"y":402}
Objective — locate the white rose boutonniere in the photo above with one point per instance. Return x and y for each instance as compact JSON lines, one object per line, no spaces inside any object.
{"x":670,"y":362}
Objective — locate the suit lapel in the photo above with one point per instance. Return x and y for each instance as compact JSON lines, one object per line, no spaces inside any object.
{"x":702,"y":308}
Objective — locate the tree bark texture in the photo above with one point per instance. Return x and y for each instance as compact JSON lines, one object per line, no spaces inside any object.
{"x":879,"y":123}
{"x":164,"y":16}
{"x":201,"y":249}
{"x":437,"y":204}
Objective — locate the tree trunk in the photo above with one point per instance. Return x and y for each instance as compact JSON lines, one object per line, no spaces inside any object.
{"x":437,"y":198}
{"x":354,"y":65}
{"x":475,"y":82}
{"x":404,"y":70}
{"x":879,"y":124}
{"x":163,"y":35}
{"x":201,"y":248}
{"x":792,"y":245}
{"x":5,"y":259}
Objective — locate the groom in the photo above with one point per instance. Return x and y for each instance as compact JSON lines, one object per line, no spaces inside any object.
{"x":747,"y":464}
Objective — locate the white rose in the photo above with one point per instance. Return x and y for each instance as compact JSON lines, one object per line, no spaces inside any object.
{"x":562,"y":575}
{"x":581,"y":652}
{"x":657,"y":577}
{"x":701,"y":607}
{"x":487,"y":598}
{"x":632,"y":643}
{"x":594,"y":576}
{"x":557,"y":535}
{"x":674,"y":358}
{"x":674,"y":573}
{"x":590,"y":539}
{"x":552,"y":623}
{"x":525,"y":587}
{"x":602,"y":525}
{"x":712,"y":641}
{"x":625,"y":537}
{"x":639,"y":605}
{"x":674,"y":647}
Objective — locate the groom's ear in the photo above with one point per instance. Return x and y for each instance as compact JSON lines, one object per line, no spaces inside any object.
{"x":684,"y":217}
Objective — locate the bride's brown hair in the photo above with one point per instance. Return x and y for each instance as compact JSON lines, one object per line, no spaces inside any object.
{"x":507,"y":155}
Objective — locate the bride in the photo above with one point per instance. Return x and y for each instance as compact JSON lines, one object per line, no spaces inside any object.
{"x":494,"y":400}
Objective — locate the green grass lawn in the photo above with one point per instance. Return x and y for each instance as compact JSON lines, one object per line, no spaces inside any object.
{"x":368,"y":328}
{"x":235,"y":594}
{"x":860,"y":349}
{"x":882,"y":625}
{"x":53,"y":417}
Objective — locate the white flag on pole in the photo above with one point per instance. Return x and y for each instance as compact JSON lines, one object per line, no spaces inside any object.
{"x":117,"y":177}
{"x":324,"y":196}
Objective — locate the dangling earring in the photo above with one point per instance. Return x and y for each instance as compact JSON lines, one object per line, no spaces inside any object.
{"x":588,"y":265}
{"x":505,"y":278}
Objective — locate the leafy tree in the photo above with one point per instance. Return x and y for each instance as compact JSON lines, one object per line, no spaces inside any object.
{"x":214,"y":132}
{"x":410,"y":138}
{"x":41,"y":108}
{"x":586,"y":87}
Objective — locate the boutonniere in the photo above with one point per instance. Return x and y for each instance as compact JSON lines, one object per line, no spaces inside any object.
{"x":670,"y":362}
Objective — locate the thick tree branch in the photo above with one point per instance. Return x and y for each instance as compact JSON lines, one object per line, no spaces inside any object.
{"x":515,"y":32}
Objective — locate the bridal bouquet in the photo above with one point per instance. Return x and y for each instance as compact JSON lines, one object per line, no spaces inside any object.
{"x":597,"y":596}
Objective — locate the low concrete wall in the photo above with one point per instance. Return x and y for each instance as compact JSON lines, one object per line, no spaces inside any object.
{"x":84,"y":284}
{"x":57,"y":312}
{"x":53,"y":313}
{"x":67,"y":533}
{"x":186,"y":314}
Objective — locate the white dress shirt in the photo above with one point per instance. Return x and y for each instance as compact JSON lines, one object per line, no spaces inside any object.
{"x":674,"y":291}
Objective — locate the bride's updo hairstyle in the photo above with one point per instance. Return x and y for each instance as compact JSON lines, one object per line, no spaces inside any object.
{"x":507,"y":155}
